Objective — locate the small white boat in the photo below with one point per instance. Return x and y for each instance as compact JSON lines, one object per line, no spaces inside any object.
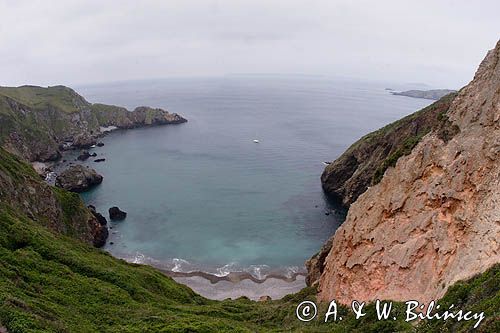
{"x":256,"y":141}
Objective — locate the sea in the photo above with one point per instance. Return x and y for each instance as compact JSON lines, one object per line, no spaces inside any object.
{"x":203,"y":196}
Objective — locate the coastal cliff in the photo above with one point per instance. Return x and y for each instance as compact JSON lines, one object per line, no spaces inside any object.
{"x":22,"y":190}
{"x":432,"y":218}
{"x":364,"y":163}
{"x":36,"y":123}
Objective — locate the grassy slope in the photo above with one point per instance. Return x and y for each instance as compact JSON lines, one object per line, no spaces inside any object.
{"x":60,"y":97}
{"x":61,"y":285}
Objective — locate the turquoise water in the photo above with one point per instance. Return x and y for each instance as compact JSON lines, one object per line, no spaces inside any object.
{"x":203,"y":195}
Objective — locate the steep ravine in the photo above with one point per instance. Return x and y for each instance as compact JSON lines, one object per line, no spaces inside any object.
{"x":433,"y":218}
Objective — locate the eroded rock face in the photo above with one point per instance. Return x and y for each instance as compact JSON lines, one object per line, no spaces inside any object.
{"x":78,"y":178}
{"x":364,"y":163}
{"x":434,"y":218}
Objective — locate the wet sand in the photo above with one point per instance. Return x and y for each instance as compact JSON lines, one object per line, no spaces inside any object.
{"x":275,"y":287}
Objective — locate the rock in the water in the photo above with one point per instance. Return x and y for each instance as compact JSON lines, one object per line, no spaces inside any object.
{"x":84,"y":155}
{"x":116,"y":214}
{"x":100,"y":160}
{"x":78,"y":178}
{"x":100,"y":144}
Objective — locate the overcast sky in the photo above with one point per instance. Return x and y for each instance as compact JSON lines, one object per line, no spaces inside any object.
{"x":73,"y":42}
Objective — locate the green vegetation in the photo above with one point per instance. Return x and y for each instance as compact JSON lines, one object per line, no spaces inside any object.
{"x":51,"y":282}
{"x":57,"y":284}
{"x":63,"y":98}
{"x":408,"y":143}
{"x":479,"y":294}
{"x":403,"y":150}
{"x":443,"y":127}
{"x":364,"y":163}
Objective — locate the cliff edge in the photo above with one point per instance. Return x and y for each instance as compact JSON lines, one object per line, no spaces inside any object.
{"x":434,"y":218}
{"x":36,"y":123}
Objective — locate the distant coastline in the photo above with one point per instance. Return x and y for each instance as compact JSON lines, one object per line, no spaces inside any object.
{"x":434,"y":94}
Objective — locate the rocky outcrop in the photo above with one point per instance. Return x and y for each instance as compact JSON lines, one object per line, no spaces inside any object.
{"x":365,"y":162}
{"x":100,"y":234}
{"x":78,"y":178}
{"x":116,"y":214}
{"x":433,"y":219}
{"x":316,"y":265}
{"x":22,"y":190}
{"x":37,"y":123}
{"x":434,"y":94}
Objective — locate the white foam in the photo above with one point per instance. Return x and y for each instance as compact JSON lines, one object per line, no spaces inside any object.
{"x":178,"y":263}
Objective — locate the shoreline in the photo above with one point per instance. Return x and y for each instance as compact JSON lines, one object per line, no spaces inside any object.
{"x":233,"y":277}
{"x":234,"y":285}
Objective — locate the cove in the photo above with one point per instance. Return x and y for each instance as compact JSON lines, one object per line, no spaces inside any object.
{"x":202,"y":196}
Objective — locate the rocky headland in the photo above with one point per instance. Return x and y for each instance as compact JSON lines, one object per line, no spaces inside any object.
{"x":434,"y":94}
{"x":365,"y":162}
{"x":423,"y":195}
{"x":37,"y":123}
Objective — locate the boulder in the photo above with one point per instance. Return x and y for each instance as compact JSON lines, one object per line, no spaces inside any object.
{"x":84,"y":155}
{"x":100,"y":144}
{"x":265,"y":298}
{"x":78,"y":178}
{"x":116,"y":214}
{"x":84,"y":141}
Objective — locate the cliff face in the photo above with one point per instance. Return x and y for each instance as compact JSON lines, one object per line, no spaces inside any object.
{"x":434,"y":218}
{"x":22,"y":190}
{"x":364,"y":163}
{"x":36,"y":122}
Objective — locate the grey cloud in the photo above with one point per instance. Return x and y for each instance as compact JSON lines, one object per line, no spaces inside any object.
{"x":68,"y":42}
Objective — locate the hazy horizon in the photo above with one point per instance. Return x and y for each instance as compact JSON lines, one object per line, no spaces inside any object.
{"x":439,"y":44}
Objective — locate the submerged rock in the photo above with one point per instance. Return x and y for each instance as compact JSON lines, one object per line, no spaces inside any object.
{"x":78,"y":178}
{"x":116,"y":214}
{"x":84,"y":155}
